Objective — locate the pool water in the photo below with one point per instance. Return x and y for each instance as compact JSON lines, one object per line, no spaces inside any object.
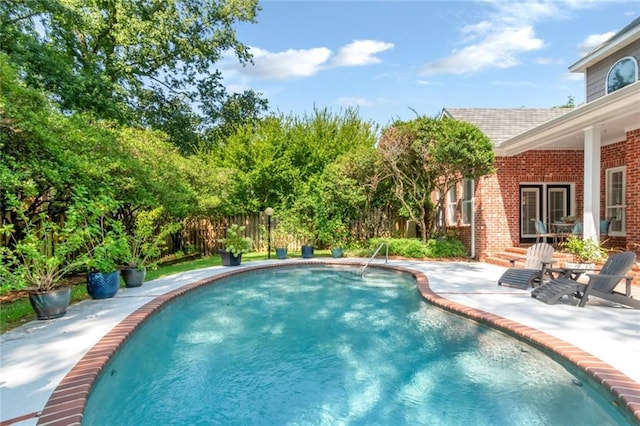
{"x":324,"y":346}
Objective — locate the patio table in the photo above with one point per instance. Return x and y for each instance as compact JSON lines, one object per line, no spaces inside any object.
{"x":562,"y":229}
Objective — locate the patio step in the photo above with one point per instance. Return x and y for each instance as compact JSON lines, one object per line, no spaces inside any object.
{"x":520,"y":253}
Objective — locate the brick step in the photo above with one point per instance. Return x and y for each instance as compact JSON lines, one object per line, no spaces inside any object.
{"x":519,"y":253}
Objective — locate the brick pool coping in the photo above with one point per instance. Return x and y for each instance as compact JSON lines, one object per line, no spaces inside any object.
{"x":67,"y":402}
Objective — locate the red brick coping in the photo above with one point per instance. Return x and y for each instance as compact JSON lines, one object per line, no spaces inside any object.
{"x":66,"y":404}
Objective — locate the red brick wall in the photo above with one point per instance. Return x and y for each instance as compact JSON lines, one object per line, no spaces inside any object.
{"x":497,"y":209}
{"x":498,"y":196}
{"x":632,"y":150}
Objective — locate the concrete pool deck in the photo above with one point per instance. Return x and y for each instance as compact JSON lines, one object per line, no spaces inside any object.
{"x":36,"y":357}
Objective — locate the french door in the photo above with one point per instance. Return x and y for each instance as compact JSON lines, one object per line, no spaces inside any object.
{"x":546,"y":202}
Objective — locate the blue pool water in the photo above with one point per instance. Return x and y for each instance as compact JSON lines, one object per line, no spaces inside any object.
{"x":323,"y":346}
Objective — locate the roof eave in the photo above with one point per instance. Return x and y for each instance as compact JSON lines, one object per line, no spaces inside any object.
{"x":580,"y":118}
{"x":605,"y":50}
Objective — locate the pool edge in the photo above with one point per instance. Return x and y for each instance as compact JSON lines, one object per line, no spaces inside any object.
{"x":66,"y":404}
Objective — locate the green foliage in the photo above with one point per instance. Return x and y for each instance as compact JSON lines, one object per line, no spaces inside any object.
{"x":585,"y":250}
{"x":280,"y":235}
{"x":107,"y":245}
{"x":415,"y":248}
{"x":427,"y":154}
{"x":446,"y":247}
{"x":148,"y":238}
{"x":44,"y":252}
{"x":236,"y":242}
{"x":141,"y":63}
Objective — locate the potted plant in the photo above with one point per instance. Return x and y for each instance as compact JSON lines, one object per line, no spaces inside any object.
{"x":569,"y":219}
{"x":585,"y":252}
{"x":234,"y":245}
{"x":335,"y":235}
{"x":41,"y":258}
{"x":107,"y":248}
{"x":280,"y":238}
{"x":144,"y":246}
{"x":308,"y":242}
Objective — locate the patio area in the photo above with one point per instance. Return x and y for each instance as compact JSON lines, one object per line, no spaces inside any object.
{"x":37,"y":356}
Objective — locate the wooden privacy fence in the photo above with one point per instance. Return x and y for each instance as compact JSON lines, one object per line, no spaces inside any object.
{"x":203,"y":235}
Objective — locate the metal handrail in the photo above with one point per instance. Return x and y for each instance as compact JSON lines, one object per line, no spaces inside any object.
{"x":386,"y":256}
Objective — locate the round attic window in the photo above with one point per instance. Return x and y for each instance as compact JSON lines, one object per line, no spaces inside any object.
{"x":622,"y":73}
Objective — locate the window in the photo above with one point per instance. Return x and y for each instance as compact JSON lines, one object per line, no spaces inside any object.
{"x":615,"y":199}
{"x":467,"y":201}
{"x":440,"y":213}
{"x":622,"y":73}
{"x":452,"y":205}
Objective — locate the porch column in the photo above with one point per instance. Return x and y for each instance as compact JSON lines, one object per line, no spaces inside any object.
{"x":591,"y":208}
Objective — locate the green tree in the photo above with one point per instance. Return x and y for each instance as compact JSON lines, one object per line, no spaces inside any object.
{"x":274,"y":160}
{"x":120,"y":58}
{"x":426,"y":155}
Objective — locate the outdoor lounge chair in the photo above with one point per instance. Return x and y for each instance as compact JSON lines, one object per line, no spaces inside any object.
{"x":600,"y":285}
{"x":538,"y":258}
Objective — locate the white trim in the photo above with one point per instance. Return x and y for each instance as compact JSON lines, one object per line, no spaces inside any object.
{"x":623,"y":206}
{"x":605,"y":49}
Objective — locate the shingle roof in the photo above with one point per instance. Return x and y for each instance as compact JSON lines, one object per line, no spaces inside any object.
{"x":501,"y":124}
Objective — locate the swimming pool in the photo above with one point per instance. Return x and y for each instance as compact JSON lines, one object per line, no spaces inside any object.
{"x":319,"y":345}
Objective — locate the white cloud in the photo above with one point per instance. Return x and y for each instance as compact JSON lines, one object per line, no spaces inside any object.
{"x":301,"y":63}
{"x":287,"y":64}
{"x":549,"y":61}
{"x":353,"y":101}
{"x":499,"y":49}
{"x":573,"y":76}
{"x":360,"y":52}
{"x":499,"y":39}
{"x":429,"y":83}
{"x":592,"y":41}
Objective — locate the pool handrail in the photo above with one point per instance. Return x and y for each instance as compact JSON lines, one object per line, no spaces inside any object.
{"x":386,"y":256}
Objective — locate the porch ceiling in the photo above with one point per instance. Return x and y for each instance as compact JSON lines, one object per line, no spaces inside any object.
{"x":614,"y":115}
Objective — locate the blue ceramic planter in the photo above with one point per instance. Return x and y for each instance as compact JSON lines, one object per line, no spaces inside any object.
{"x":103,"y":285}
{"x":281,"y":253}
{"x":307,"y":252}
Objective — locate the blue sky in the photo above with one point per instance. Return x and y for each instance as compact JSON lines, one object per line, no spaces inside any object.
{"x":391,"y":58}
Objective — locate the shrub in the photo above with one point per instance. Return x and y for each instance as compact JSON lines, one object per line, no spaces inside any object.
{"x":415,"y":248}
{"x":448,"y":247}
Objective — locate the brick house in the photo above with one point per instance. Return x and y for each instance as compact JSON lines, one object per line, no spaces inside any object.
{"x":550,"y":163}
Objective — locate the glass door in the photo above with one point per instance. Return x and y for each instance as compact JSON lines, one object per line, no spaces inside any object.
{"x":530,"y":208}
{"x":558,"y":203}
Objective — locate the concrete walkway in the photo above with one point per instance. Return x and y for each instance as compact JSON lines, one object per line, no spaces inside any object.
{"x":36,"y":356}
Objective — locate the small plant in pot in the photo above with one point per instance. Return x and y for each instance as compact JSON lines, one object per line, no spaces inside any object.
{"x":335,"y":235}
{"x":145,"y":246}
{"x":234,"y":245}
{"x":585,"y":252}
{"x":280,"y":238}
